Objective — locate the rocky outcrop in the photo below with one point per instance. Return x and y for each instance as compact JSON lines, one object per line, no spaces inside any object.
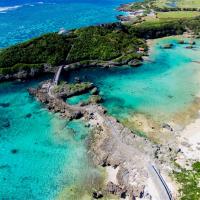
{"x":124,"y":18}
{"x":167,"y":46}
{"x":94,"y":91}
{"x":54,"y":104}
{"x":96,"y":63}
{"x":66,"y":90}
{"x":116,"y":190}
{"x":28,"y":74}
{"x":135,"y":63}
{"x":112,"y":144}
{"x":20,"y":75}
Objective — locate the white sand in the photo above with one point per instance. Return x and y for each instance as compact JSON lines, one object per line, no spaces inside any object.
{"x":112,"y":174}
{"x":189,"y":143}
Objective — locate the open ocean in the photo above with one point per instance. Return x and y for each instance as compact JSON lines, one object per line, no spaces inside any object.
{"x":24,"y":19}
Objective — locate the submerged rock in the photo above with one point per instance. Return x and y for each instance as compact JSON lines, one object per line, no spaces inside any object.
{"x":29,"y":115}
{"x":167,"y":126}
{"x":189,"y":47}
{"x":167,"y":46}
{"x":97,"y":195}
{"x":181,"y":42}
{"x":94,"y":91}
{"x":4,"y":105}
{"x":192,"y":42}
{"x":5,"y":123}
{"x":117,"y":190}
{"x":14,"y":151}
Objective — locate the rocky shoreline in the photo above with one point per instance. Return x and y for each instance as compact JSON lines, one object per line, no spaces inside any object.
{"x":47,"y":69}
{"x":28,"y":74}
{"x":114,"y":145}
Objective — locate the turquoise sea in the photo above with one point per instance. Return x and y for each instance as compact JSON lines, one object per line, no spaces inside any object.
{"x":160,"y":88}
{"x":40,"y":154}
{"x":44,"y":157}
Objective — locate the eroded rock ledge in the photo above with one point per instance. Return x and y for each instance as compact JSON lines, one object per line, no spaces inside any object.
{"x":112,"y":144}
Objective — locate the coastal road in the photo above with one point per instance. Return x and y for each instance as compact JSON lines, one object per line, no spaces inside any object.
{"x":163,"y":191}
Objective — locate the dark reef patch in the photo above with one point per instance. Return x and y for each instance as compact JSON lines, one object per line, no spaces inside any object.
{"x":4,"y":105}
{"x":14,"y":151}
{"x":29,"y":115}
{"x":4,"y":123}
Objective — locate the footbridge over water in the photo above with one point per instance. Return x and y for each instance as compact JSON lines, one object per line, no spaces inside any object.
{"x":57,"y":75}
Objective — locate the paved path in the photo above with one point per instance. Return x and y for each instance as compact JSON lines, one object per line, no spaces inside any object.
{"x":160,"y":185}
{"x":57,"y":75}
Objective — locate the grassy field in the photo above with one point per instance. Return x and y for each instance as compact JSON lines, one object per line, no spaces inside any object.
{"x":178,"y":3}
{"x":189,"y":3}
{"x":173,"y":15}
{"x":177,"y":14}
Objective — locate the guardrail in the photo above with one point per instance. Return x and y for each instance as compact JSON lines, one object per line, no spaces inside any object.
{"x":57,"y":75}
{"x":163,"y":183}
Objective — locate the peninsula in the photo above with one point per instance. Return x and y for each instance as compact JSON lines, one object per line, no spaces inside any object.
{"x":138,"y":166}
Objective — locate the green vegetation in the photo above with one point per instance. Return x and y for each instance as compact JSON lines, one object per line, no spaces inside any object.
{"x":70,"y":89}
{"x":112,"y":43}
{"x":167,"y":5}
{"x":19,"y":67}
{"x":156,"y":29}
{"x":83,"y":45}
{"x":50,"y":48}
{"x":101,"y":43}
{"x":190,"y":182}
{"x":95,"y":99}
{"x":177,"y":15}
{"x":146,"y":4}
{"x":179,"y":3}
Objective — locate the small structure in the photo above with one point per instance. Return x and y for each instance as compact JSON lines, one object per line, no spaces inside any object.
{"x":63,"y":32}
{"x":138,"y":13}
{"x":140,"y":50}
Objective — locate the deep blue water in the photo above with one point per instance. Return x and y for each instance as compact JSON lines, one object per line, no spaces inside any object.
{"x":24,"y":19}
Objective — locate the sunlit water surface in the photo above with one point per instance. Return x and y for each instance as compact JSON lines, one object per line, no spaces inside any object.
{"x":24,"y":19}
{"x":160,"y":88}
{"x":40,"y":154}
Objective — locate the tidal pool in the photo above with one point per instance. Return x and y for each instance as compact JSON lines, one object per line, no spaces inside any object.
{"x":160,"y":88}
{"x":78,"y":99}
{"x":41,"y":156}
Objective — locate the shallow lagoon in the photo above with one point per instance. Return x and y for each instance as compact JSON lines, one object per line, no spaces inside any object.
{"x":83,"y":98}
{"x":41,"y":155}
{"x":160,"y":88}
